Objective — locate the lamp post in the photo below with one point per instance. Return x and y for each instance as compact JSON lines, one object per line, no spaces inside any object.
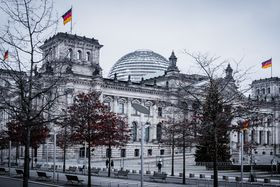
{"x":54,"y":152}
{"x":143,"y":110}
{"x":10,"y":147}
{"x":241,"y":141}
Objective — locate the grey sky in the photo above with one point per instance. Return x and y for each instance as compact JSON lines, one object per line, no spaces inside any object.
{"x":230,"y":29}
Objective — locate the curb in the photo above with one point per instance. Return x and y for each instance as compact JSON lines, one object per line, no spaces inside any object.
{"x":31,"y":181}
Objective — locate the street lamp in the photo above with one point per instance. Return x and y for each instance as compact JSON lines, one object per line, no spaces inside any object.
{"x":143,"y":110}
{"x":54,"y":151}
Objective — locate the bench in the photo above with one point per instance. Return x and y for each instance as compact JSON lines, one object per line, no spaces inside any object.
{"x":122,"y":173}
{"x":161,"y":176}
{"x":73,"y":179}
{"x":72,"y":169}
{"x":43,"y":175}
{"x":95,"y":171}
{"x":38,"y":166}
{"x":3,"y":171}
{"x":19,"y":172}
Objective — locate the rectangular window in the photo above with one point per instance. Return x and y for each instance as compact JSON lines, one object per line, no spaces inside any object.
{"x":108,"y":153}
{"x":82,"y":152}
{"x":159,"y":111}
{"x":150,"y":152}
{"x":268,"y":137}
{"x":123,"y":153}
{"x":260,"y":137}
{"x":136,"y":152}
{"x":268,"y":90}
{"x":147,"y":134}
{"x":162,"y":152}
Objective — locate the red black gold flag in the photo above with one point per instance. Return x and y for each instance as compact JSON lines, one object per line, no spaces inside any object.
{"x":67,"y":16}
{"x":245,"y":125}
{"x":267,"y":64}
{"x":6,"y":55}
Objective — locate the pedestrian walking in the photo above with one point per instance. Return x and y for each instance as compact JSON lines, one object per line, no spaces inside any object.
{"x":107,"y":163}
{"x":112,"y":164}
{"x":159,"y":165}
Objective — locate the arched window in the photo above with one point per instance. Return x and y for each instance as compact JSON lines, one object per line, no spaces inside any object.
{"x":134,"y":131}
{"x":159,"y":132}
{"x":121,"y":108}
{"x":70,"y":53}
{"x":79,"y":55}
{"x":88,"y":56}
{"x":147,"y":134}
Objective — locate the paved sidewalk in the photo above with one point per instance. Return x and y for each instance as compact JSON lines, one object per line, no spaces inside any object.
{"x":132,"y":181}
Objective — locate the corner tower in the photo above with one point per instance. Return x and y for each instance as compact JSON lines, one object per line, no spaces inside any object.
{"x":72,"y":53}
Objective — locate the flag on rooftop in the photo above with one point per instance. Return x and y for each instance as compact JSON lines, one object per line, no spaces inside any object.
{"x":267,"y":64}
{"x":6,"y":55}
{"x":67,"y":16}
{"x":245,"y":125}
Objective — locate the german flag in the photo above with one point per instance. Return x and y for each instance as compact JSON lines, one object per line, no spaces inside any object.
{"x":267,"y":64}
{"x":67,"y":16}
{"x":6,"y":55}
{"x":245,"y":125}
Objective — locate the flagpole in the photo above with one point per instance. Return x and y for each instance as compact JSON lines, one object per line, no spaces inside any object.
{"x":71,"y":19}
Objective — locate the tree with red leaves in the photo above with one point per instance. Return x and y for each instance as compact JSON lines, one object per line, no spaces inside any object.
{"x":94,"y":124}
{"x":16,"y":133}
{"x":115,"y":133}
{"x":87,"y":115}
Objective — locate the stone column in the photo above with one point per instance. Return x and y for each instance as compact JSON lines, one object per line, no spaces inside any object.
{"x":115,"y":107}
{"x":257,"y":140}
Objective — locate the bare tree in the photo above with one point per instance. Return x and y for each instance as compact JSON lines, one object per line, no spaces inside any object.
{"x":23,"y":96}
{"x":64,"y":135}
{"x":218,"y":100}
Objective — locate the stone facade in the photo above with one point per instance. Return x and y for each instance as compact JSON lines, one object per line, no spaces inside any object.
{"x":76,"y":59}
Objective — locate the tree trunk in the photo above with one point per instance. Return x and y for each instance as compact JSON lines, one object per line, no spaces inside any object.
{"x":64,"y":157}
{"x":109,"y":168}
{"x":215,"y":158}
{"x":26,"y":158}
{"x":1,"y":156}
{"x":89,"y":166}
{"x":17,"y":153}
{"x":64,"y":150}
{"x":184,"y":159}
{"x":172,"y":155}
{"x":32,"y":158}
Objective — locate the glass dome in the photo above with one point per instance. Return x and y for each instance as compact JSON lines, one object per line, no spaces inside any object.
{"x":138,"y":64}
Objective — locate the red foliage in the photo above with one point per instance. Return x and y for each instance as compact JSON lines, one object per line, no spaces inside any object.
{"x":92,"y":122}
{"x":114,"y":130}
{"x":85,"y":116}
{"x":17,"y":133}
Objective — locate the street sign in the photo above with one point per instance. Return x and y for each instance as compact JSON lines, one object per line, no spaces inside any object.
{"x":140,"y":108}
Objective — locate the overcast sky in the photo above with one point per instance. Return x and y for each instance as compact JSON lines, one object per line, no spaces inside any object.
{"x":231,"y":29}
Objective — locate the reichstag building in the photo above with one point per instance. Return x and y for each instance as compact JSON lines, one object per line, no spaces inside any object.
{"x":146,"y":78}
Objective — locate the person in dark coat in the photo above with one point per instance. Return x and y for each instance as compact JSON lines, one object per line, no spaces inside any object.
{"x":159,"y":165}
{"x":107,"y":163}
{"x":112,"y":164}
